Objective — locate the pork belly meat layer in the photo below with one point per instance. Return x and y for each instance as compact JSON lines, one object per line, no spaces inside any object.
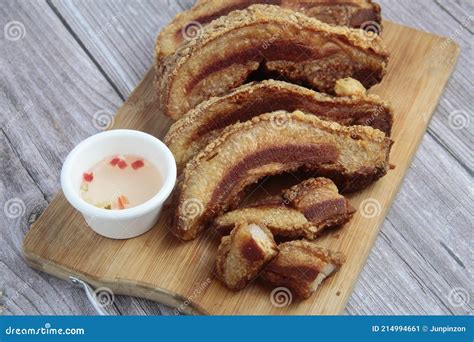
{"x":196,"y":128}
{"x":188,"y":24}
{"x":242,"y":255}
{"x":302,"y":266}
{"x":273,"y":41}
{"x":302,"y":211}
{"x":215,"y":179}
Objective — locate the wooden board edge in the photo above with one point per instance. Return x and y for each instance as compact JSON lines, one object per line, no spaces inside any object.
{"x":458,"y":47}
{"x":119,"y":286}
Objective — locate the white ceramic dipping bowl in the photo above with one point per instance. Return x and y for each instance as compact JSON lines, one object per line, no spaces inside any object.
{"x":126,"y":223}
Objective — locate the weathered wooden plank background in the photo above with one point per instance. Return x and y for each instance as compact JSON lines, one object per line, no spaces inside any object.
{"x":64,"y":61}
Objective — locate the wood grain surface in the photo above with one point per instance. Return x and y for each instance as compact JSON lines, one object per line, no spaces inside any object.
{"x":79,"y":57}
{"x":157,"y":264}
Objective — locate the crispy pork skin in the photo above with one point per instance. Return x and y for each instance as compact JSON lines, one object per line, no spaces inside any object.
{"x":301,"y":266}
{"x":201,"y":124}
{"x":214,"y":181}
{"x":272,"y":41}
{"x":302,"y":211}
{"x":188,"y":24}
{"x":242,"y":255}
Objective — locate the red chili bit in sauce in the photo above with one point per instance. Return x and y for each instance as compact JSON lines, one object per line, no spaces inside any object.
{"x":137,"y":164}
{"x":116,"y":183}
{"x":88,"y":176}
{"x":114,"y":161}
{"x":122,"y":164}
{"x":122,"y":201}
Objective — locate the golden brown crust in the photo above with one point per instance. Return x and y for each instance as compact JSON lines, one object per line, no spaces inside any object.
{"x":201,"y":124}
{"x":189,"y":23}
{"x":283,"y":222}
{"x":305,"y":51}
{"x":301,"y":266}
{"x":271,"y":144}
{"x":302,"y":211}
{"x":242,"y":255}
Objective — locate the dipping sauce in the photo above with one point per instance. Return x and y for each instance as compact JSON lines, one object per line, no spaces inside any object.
{"x":120,"y":182}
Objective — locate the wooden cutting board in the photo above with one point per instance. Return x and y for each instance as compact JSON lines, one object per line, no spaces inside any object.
{"x":159,"y":267}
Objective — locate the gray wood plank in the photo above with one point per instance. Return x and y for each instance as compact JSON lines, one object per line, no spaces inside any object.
{"x":49,"y":92}
{"x":460,"y":10}
{"x":120,"y":34}
{"x":25,"y":291}
{"x":451,"y":124}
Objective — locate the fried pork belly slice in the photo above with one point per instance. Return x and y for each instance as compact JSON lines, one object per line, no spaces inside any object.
{"x":301,"y":266}
{"x":302,"y":211}
{"x":273,"y":41}
{"x":242,"y":255}
{"x":188,"y":24}
{"x":215,"y":180}
{"x":196,"y":128}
